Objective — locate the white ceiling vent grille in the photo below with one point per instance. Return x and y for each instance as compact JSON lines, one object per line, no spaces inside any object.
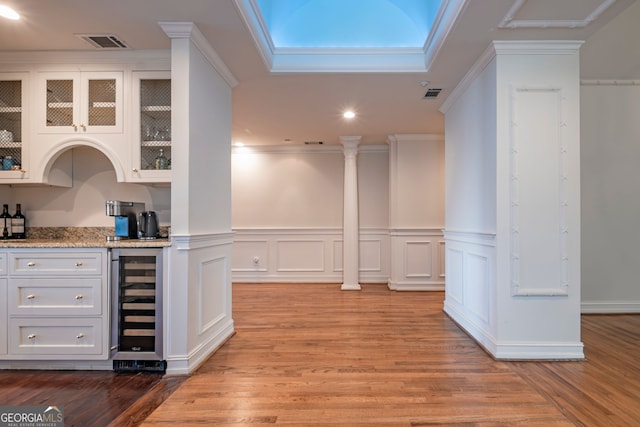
{"x":432,"y":93}
{"x":103,"y":41}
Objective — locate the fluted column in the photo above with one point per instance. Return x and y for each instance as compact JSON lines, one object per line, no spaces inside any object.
{"x":350,"y":231}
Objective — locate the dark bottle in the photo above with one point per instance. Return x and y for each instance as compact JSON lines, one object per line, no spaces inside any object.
{"x":5,"y":222}
{"x":18,"y":224}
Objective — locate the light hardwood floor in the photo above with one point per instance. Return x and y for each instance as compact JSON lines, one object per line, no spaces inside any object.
{"x":312,"y":355}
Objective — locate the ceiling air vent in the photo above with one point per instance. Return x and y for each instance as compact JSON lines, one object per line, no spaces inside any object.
{"x":104,"y":41}
{"x":432,"y":93}
{"x":314,"y":142}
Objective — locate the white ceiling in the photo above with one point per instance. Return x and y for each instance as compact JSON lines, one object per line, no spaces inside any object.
{"x":269,"y":108}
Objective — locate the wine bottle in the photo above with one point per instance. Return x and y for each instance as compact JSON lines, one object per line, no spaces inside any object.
{"x":161,"y":162}
{"x":18,"y":224}
{"x":5,"y":221}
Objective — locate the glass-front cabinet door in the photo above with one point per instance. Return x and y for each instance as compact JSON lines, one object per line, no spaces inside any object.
{"x":12,"y":124}
{"x":152,"y":126}
{"x":84,"y":102}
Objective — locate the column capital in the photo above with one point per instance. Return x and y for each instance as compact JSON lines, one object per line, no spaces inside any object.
{"x":350,"y":143}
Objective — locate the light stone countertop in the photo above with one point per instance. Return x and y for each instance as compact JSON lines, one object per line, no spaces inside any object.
{"x":79,"y":237}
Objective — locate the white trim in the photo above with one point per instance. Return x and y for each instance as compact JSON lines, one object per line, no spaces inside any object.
{"x":472,"y":237}
{"x":605,"y":82}
{"x":376,"y":60}
{"x":186,"y":364}
{"x":610,"y":307}
{"x":184,"y":30}
{"x":509,"y":22}
{"x":508,"y":47}
{"x":515,"y":350}
{"x":305,"y":149}
{"x":474,"y":72}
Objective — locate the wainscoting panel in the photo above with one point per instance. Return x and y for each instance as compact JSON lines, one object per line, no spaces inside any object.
{"x":305,"y":255}
{"x":300,"y":255}
{"x":416,"y":260}
{"x":471,"y":270}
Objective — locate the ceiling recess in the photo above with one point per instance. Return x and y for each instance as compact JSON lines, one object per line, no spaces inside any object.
{"x":104,"y":41}
{"x":432,"y":93}
{"x":314,"y":142}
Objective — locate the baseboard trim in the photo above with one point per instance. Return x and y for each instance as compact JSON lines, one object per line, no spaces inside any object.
{"x":610,"y":307}
{"x":185,"y":365}
{"x":514,"y":351}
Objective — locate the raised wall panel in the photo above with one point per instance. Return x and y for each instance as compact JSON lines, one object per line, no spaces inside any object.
{"x":250,"y":255}
{"x":310,"y":255}
{"x":538,"y":194}
{"x":415,"y":265}
{"x":418,"y":260}
{"x":300,"y":255}
{"x":212,"y":296}
{"x":370,"y":255}
{"x":476,"y":285}
{"x":455,"y":274}
{"x":442,"y":249}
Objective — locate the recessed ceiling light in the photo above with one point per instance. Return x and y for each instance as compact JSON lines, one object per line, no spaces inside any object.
{"x":7,"y":12}
{"x":349,"y":115}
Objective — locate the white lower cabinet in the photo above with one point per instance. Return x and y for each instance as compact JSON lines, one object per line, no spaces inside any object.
{"x":56,"y":305}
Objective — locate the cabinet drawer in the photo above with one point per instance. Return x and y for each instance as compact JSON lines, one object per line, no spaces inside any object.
{"x":51,"y":336}
{"x":50,"y":297}
{"x":55,"y":264}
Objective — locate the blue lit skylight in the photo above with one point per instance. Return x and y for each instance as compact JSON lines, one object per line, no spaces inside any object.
{"x":348,"y":23}
{"x":349,"y":35}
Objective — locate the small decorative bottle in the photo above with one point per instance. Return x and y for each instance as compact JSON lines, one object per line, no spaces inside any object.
{"x":161,"y":162}
{"x":5,"y":221}
{"x":18,"y":224}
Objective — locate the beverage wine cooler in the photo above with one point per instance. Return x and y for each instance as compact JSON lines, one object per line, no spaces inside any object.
{"x":136,"y":285}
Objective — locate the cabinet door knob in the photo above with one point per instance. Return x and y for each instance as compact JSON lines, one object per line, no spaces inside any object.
{"x":31,"y":296}
{"x":80,"y":335}
{"x":74,"y":126}
{"x":31,"y":264}
{"x":79,"y":297}
{"x":84,"y":128}
{"x":135,"y":170}
{"x":31,"y":336}
{"x":79,"y":264}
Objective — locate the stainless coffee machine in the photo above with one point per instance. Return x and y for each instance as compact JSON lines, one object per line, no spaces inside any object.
{"x":126,"y":217}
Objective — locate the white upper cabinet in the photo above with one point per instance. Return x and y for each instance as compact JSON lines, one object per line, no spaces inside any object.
{"x":13,"y":126}
{"x":80,"y":102}
{"x":151,"y":147}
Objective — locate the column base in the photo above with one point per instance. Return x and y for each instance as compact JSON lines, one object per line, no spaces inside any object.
{"x":350,"y":287}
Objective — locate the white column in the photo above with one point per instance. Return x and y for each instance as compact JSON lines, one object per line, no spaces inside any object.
{"x":351,"y":235}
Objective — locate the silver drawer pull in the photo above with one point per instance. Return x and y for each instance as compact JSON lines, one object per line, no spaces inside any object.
{"x":80,"y":336}
{"x":79,"y":264}
{"x":79,"y":297}
{"x":31,"y":264}
{"x":31,"y":336}
{"x":31,"y":296}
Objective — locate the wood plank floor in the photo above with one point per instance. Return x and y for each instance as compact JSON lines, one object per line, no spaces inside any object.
{"x":89,"y":398}
{"x":312,"y":355}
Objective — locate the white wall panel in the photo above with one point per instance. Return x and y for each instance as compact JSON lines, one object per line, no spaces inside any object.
{"x":300,"y":255}
{"x":415,"y":264}
{"x":418,"y":257}
{"x":306,"y":255}
{"x":212,"y":306}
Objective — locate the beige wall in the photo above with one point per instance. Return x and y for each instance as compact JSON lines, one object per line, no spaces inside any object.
{"x":302,"y":188}
{"x":82,"y":205}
